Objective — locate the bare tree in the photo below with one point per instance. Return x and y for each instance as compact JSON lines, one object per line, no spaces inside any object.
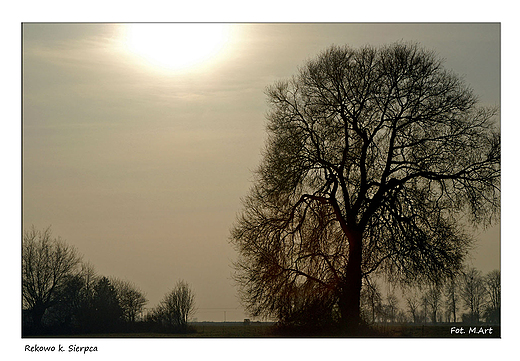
{"x":176,"y":308}
{"x":85,"y":313}
{"x":413,"y":304}
{"x":492,"y":281}
{"x":373,"y":157}
{"x":392,"y":304}
{"x":473,"y":293}
{"x":48,"y":264}
{"x":131,"y":299}
{"x":424,"y":303}
{"x":371,"y":300}
{"x":451,"y":298}
{"x":434,"y":298}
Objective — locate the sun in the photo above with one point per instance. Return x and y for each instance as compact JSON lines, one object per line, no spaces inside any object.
{"x":176,"y":47}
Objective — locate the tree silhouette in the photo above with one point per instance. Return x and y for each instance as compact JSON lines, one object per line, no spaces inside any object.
{"x":371,"y":299}
{"x":412,"y":303}
{"x":492,"y":281}
{"x":63,"y":295}
{"x":451,"y":298}
{"x":64,"y":314}
{"x":434,"y":297}
{"x":130,"y":298}
{"x":106,"y":311}
{"x":375,"y":161}
{"x":175,"y":309}
{"x":49,"y":266}
{"x":473,"y":293}
{"x":392,"y":306}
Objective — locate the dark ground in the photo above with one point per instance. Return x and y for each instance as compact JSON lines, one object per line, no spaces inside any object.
{"x":267,"y":329}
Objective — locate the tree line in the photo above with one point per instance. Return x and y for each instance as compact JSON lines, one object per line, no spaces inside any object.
{"x":62,"y":294}
{"x":470,"y":298}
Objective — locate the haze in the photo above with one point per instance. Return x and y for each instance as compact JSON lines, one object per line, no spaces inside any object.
{"x":142,"y":166}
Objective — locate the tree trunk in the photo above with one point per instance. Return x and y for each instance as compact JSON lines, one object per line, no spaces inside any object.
{"x":453,"y":304}
{"x":37,"y":314}
{"x":349,"y":301}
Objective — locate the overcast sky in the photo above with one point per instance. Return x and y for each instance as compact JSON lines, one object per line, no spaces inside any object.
{"x":141,"y":165}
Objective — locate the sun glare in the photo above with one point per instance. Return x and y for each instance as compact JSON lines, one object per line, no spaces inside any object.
{"x":174,"y":46}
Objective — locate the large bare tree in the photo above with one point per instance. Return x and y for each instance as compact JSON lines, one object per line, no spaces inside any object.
{"x":47,"y":265}
{"x":377,"y":160}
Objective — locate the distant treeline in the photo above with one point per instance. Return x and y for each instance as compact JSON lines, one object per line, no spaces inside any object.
{"x":469,"y":298}
{"x":63,"y":295}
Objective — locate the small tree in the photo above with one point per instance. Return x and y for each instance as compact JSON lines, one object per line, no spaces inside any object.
{"x":473,"y":293}
{"x":371,"y":300}
{"x":434,"y":297}
{"x":176,"y":308}
{"x":413,"y":304}
{"x":451,"y":299}
{"x":492,"y":281}
{"x":392,"y":304}
{"x":48,"y":266}
{"x":131,"y":299}
{"x":424,"y":304}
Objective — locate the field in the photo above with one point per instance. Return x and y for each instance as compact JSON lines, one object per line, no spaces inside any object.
{"x":233,"y":329}
{"x":267,"y":329}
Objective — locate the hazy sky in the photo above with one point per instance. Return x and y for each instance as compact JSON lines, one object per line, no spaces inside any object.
{"x":140,"y":160}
